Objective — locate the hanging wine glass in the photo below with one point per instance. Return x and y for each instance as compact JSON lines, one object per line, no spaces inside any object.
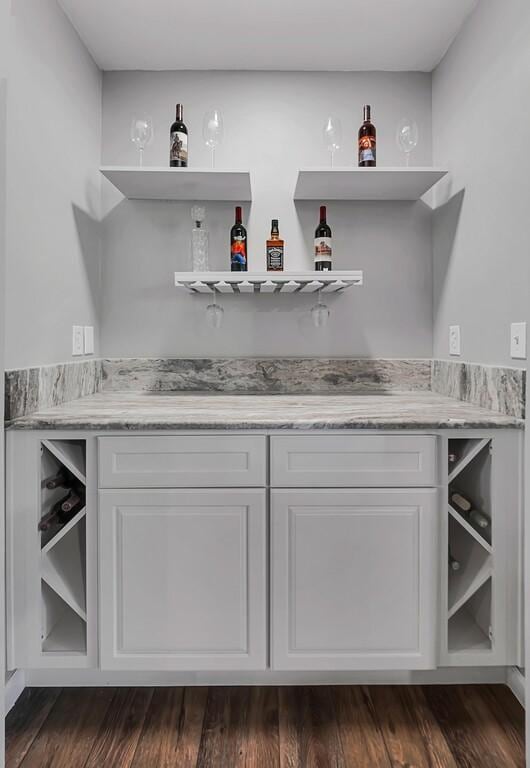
{"x":407,"y":137}
{"x":142,"y":134}
{"x":212,"y":130}
{"x":332,"y":132}
{"x":214,"y":313}
{"x":320,"y":313}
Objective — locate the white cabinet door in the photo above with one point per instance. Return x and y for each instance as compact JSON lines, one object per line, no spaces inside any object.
{"x":354,"y":579}
{"x":182,"y":579}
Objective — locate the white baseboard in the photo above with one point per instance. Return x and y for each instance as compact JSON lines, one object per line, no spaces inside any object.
{"x":92,"y":677}
{"x":516,"y":683}
{"x":14,"y":688}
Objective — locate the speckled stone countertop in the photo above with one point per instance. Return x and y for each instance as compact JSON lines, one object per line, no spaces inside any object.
{"x":177,"y":411}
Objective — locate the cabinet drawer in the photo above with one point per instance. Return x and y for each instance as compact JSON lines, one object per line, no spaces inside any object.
{"x":179,"y":461}
{"x":350,"y":461}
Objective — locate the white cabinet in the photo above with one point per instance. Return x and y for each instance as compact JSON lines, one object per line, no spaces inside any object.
{"x":354,"y":579}
{"x":183,"y":579}
{"x":353,"y":461}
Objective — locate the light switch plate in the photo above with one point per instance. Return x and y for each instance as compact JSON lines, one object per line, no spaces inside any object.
{"x":89,"y":339}
{"x":78,"y":340}
{"x":454,"y":340}
{"x":518,"y":341}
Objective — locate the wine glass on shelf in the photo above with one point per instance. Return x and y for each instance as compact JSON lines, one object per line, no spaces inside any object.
{"x":332,"y":132}
{"x":212,"y":130}
{"x":142,"y":134}
{"x":407,"y":137}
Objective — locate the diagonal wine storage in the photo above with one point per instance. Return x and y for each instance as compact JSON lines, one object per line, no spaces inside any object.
{"x":63,"y":550}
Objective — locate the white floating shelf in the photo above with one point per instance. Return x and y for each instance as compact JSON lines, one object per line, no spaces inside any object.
{"x":267,"y":282}
{"x":366,"y":183}
{"x":180,"y":183}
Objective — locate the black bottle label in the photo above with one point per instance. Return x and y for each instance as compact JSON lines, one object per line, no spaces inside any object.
{"x":275,"y":258}
{"x":178,"y":151}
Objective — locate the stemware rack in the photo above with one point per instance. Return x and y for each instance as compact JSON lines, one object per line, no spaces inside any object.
{"x":267,"y":282}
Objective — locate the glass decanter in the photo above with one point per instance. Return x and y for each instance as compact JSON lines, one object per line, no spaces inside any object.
{"x":199,"y":240}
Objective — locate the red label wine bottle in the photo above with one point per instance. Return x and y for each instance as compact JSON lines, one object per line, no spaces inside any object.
{"x":323,"y":250}
{"x":238,"y":244}
{"x":367,"y":141}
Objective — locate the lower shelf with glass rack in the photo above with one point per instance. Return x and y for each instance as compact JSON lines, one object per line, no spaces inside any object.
{"x":267,"y":282}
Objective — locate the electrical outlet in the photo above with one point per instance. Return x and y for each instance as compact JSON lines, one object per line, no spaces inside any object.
{"x":518,"y":341}
{"x":78,"y":340}
{"x":454,"y":340}
{"x":89,"y":339}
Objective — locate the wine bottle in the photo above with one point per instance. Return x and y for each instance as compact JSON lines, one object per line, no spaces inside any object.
{"x":62,"y":512}
{"x":238,"y":244}
{"x":465,"y":507}
{"x":178,"y":147}
{"x":275,"y":249}
{"x":454,"y":564}
{"x":323,"y":250}
{"x":367,"y":141}
{"x":461,"y":503}
{"x":57,"y":481}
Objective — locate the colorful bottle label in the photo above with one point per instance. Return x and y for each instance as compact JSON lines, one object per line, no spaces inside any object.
{"x":238,"y":252}
{"x":367,"y":149}
{"x":275,"y":258}
{"x":178,"y":151}
{"x":323,"y":249}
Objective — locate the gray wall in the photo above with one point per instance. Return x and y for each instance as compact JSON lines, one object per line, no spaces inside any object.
{"x":54,"y":139}
{"x":481,"y":127}
{"x":4,"y":29}
{"x":273,"y":125}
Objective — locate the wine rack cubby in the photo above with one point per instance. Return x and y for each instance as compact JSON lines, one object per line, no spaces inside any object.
{"x":63,"y":550}
{"x":481,"y":552}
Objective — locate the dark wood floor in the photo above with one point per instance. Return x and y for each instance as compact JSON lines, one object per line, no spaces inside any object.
{"x":313,"y":727}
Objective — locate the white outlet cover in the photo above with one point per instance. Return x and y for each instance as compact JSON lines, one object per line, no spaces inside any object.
{"x":455,"y":347}
{"x":78,"y":340}
{"x":89,"y":339}
{"x":518,"y":341}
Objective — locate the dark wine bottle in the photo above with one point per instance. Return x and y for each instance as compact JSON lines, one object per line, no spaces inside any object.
{"x":57,"y":481}
{"x":238,"y":244}
{"x":63,"y":511}
{"x":178,"y":147}
{"x":367,"y":141}
{"x":323,"y":249}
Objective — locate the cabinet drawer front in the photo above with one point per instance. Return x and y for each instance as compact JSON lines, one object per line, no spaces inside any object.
{"x":354,"y":579}
{"x":182,"y":579}
{"x":350,"y":461}
{"x":182,"y":462}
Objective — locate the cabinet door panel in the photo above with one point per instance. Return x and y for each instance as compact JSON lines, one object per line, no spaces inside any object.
{"x":353,"y":461}
{"x":183,"y":579}
{"x":354,"y":577}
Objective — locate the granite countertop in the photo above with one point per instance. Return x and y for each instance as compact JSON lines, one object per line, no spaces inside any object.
{"x":168,"y":410}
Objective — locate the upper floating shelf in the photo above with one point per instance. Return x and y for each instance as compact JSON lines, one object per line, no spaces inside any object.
{"x":179,"y":183}
{"x":366,"y":183}
{"x":267,"y":282}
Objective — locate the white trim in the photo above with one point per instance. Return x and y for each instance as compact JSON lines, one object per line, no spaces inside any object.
{"x":515,"y":680}
{"x":14,"y":689}
{"x":93,"y":677}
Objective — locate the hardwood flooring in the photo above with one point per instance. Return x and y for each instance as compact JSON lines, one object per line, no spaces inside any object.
{"x":266,"y":727}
